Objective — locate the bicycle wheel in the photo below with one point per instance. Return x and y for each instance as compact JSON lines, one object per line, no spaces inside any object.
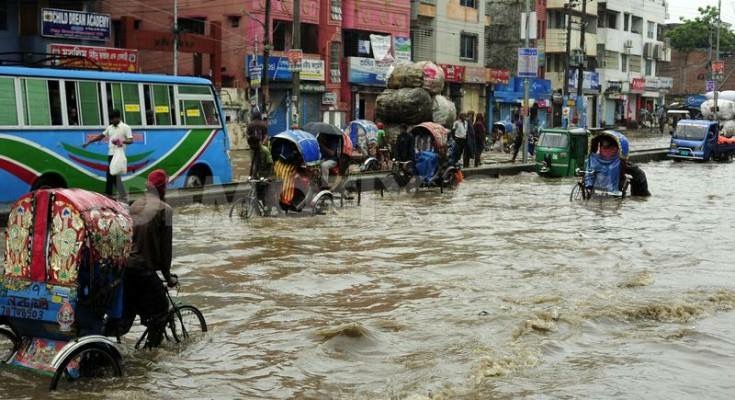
{"x":95,"y":362}
{"x":8,"y":344}
{"x":186,"y":323}
{"x":578,"y":193}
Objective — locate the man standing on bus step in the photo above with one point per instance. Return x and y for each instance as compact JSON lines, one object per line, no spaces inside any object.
{"x":118,"y":135}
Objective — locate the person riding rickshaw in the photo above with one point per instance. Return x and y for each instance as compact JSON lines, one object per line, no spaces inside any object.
{"x":608,"y":172}
{"x":66,"y":253}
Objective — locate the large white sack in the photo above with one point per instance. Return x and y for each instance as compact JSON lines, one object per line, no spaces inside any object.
{"x":728,"y":128}
{"x":119,"y":163}
{"x":726,"y":109}
{"x":723,"y":95}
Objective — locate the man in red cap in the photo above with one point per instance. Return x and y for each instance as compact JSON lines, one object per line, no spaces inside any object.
{"x":144,"y":293}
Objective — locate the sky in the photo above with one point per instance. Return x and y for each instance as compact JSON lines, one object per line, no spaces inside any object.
{"x":688,"y":9}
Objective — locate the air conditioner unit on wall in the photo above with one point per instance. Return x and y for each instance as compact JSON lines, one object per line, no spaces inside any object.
{"x":658,"y":52}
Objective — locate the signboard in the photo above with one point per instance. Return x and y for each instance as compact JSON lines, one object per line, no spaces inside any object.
{"x":527,"y":62}
{"x":279,"y":69}
{"x":474,"y":75}
{"x":402,"y":48}
{"x":709,"y":86}
{"x":453,"y":73}
{"x":638,"y":85}
{"x":590,"y":83}
{"x":718,"y":67}
{"x":497,"y":75}
{"x":366,"y":71}
{"x":256,"y":76}
{"x":295,"y":56}
{"x":110,"y":59}
{"x":381,"y":47}
{"x":531,"y":25}
{"x":329,"y":98}
{"x":614,"y":87}
{"x":71,"y":24}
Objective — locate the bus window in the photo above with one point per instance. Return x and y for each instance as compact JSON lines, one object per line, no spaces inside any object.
{"x":72,"y":103}
{"x":8,"y":102}
{"x":158,"y":105}
{"x":36,"y":105}
{"x":89,"y":102}
{"x":191,"y":112}
{"x":194,"y":90}
{"x":210,"y":112}
{"x":125,"y":98}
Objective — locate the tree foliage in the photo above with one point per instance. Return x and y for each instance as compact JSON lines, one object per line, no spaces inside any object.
{"x":695,"y":33}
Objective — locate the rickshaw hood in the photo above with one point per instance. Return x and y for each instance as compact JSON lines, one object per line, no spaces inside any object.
{"x":305,"y":143}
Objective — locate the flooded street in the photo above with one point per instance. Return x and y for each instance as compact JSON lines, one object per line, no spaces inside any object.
{"x":500,"y":289}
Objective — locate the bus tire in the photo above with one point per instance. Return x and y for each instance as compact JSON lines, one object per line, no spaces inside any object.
{"x":198,"y":176}
{"x":48,"y":181}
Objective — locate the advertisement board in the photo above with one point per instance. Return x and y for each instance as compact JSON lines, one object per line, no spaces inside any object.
{"x":527,"y":62}
{"x":70,"y":24}
{"x":402,"y":48}
{"x":366,"y":71}
{"x":453,"y":73}
{"x":279,"y":69}
{"x":110,"y":59}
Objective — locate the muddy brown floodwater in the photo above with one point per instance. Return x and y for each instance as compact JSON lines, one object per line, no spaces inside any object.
{"x":500,"y":289}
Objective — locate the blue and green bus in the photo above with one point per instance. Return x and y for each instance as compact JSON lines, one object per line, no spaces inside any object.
{"x":47,"y":114}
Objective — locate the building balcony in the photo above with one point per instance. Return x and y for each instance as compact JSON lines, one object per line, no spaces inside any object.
{"x":559,"y":5}
{"x":423,"y":8}
{"x":556,"y":41}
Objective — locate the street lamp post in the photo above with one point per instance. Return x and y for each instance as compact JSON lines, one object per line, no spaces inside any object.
{"x":525,"y":108}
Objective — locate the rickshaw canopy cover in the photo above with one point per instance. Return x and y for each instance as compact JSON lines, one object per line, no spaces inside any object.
{"x":617,"y":137}
{"x":438,"y":132}
{"x":305,"y":143}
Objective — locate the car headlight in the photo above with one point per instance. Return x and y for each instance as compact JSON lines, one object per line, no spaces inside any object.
{"x":673,"y":145}
{"x":554,"y":156}
{"x":562,"y":155}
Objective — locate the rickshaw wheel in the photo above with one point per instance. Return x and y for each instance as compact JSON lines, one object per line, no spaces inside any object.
{"x":578,"y":193}
{"x":8,"y":344}
{"x":323,"y":205}
{"x":186,"y":323}
{"x":86,"y":362}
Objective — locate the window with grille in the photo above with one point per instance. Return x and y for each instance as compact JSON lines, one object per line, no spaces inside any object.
{"x":468,"y":46}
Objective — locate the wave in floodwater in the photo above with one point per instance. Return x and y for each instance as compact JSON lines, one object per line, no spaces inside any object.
{"x":500,"y":289}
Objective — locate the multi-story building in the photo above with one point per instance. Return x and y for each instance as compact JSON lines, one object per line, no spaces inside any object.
{"x":452,"y":33}
{"x":337,"y":83}
{"x":631,"y":48}
{"x":558,"y":43}
{"x":690,"y":71}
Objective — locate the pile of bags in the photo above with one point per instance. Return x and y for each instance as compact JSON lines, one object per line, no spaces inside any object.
{"x":413,"y":97}
{"x":725,"y":113}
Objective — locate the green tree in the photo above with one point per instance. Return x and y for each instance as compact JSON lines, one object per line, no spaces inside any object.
{"x":694,"y":33}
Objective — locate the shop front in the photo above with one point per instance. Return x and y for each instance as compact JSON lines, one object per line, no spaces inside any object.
{"x":493,"y":77}
{"x":506,"y":100}
{"x":474,"y":90}
{"x":613,"y":101}
{"x":367,"y":79}
{"x":633,"y":98}
{"x":312,"y":87}
{"x":453,"y":86}
{"x":587,"y":112}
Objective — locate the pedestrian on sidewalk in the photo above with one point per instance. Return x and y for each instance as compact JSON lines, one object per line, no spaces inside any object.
{"x":469,"y":144}
{"x":480,"y":138}
{"x":518,"y":143}
{"x":460,"y":134}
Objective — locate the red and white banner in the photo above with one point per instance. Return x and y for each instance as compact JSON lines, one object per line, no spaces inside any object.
{"x":638,"y":85}
{"x":109,"y":58}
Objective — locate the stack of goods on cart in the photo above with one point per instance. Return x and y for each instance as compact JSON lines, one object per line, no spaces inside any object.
{"x":725,"y":112}
{"x":413,"y":96}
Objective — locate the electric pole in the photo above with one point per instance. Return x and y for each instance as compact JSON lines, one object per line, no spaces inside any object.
{"x":296,"y":72}
{"x":580,"y":78}
{"x":567,"y":8}
{"x":717,"y":54}
{"x":526,"y":108}
{"x":266,"y":58}
{"x":176,"y":37}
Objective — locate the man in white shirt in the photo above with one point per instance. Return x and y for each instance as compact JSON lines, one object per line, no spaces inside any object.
{"x":460,"y":135}
{"x":118,"y":135}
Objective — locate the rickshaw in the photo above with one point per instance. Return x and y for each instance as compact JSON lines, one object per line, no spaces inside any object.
{"x":297,"y":184}
{"x":65,"y":253}
{"x":608,"y":173}
{"x":364,"y":137}
{"x":561,"y":152}
{"x":432,"y":165}
{"x":503,"y":132}
{"x":341,"y":144}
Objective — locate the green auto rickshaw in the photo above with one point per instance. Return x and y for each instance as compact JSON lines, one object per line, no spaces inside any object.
{"x":560,"y":151}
